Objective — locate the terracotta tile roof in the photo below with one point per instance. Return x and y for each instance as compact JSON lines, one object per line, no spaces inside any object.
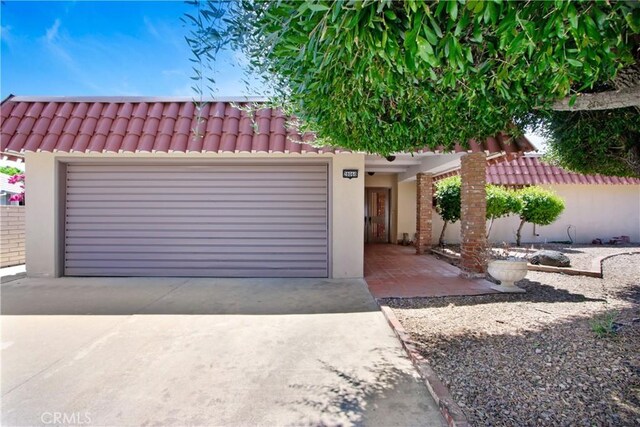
{"x":531,"y":170}
{"x":112,"y":124}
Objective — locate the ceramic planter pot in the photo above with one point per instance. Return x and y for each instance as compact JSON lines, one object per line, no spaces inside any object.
{"x":508,"y":272}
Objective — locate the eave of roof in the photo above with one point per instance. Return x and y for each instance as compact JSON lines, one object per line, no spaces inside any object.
{"x":149,"y":125}
{"x":526,"y":170}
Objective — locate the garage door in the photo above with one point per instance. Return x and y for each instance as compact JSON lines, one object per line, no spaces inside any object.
{"x":261,"y":220}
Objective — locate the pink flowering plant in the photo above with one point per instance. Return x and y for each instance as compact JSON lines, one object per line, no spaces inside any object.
{"x":14,"y":180}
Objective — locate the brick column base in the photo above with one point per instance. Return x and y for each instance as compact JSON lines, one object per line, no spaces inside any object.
{"x":472,"y":214}
{"x":424,"y":209}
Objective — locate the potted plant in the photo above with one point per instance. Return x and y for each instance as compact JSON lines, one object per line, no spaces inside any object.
{"x":508,"y":268}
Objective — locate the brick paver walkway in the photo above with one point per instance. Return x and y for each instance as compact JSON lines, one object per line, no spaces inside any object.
{"x":396,"y":271}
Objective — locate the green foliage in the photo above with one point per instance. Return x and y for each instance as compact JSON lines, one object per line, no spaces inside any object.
{"x":604,"y":325}
{"x":501,"y":202}
{"x":606,"y":141}
{"x":9,"y":170}
{"x":539,"y":206}
{"x":386,"y":76}
{"x":447,"y":196}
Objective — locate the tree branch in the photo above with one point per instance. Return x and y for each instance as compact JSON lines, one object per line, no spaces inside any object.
{"x":623,"y":98}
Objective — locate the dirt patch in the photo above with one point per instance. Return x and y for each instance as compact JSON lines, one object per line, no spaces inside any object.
{"x":534,"y":358}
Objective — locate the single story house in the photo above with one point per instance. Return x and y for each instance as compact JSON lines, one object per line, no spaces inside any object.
{"x":596,"y":206}
{"x":121,"y":186}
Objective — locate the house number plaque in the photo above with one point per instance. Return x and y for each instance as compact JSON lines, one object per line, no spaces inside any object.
{"x":349,"y":173}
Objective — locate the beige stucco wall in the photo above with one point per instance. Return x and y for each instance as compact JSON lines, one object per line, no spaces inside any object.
{"x":389,"y":181}
{"x":595,"y":211}
{"x":45,"y":210}
{"x":407,"y":209}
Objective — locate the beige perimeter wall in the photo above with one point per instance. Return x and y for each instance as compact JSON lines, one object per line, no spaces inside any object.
{"x":45,"y":211}
{"x":593,"y":211}
{"x":12,"y":235}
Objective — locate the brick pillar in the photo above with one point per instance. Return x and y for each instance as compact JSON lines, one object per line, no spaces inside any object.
{"x":424,"y":208}
{"x":472,"y":213}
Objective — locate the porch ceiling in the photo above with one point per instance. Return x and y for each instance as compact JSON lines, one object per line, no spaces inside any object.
{"x":407,"y":166}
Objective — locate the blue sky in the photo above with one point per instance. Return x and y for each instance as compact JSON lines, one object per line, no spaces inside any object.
{"x":101,"y":48}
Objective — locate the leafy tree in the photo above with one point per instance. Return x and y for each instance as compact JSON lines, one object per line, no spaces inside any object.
{"x":384,"y":76}
{"x":9,"y":170}
{"x":500,"y":202}
{"x":447,"y":197}
{"x":606,"y":142}
{"x":539,"y":206}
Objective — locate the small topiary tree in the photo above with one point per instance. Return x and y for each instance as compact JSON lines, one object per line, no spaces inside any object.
{"x":500,"y":202}
{"x":539,"y":206}
{"x":447,"y":197}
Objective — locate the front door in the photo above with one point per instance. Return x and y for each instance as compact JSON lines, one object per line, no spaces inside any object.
{"x":376,"y":211}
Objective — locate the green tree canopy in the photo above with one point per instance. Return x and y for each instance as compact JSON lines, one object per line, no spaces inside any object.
{"x":604,"y":141}
{"x":9,"y":170}
{"x":538,"y":206}
{"x":447,"y":196}
{"x":501,"y":202}
{"x":384,"y":76}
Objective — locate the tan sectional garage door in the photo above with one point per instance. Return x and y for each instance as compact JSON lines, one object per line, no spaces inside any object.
{"x":260,"y":220}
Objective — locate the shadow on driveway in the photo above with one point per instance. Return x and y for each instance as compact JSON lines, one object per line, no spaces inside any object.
{"x":144,"y":295}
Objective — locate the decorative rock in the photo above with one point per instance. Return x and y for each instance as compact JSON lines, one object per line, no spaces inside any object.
{"x":552,"y":258}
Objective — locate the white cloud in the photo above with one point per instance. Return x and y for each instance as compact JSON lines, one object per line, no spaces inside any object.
{"x":52,"y":32}
{"x":150,"y":27}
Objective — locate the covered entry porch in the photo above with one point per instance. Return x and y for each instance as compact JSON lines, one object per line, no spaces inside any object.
{"x":394,"y":271}
{"x":399,"y":205}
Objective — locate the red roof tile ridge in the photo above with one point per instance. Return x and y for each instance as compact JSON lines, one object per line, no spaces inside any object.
{"x":136,"y":99}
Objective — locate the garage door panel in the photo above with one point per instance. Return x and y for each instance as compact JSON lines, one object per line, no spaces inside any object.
{"x":180,"y":169}
{"x":219,"y":178}
{"x":226,"y":221}
{"x":232,"y":221}
{"x":138,"y":226}
{"x":212,"y":242}
{"x":185,"y":197}
{"x":173,"y":212}
{"x":197,"y":234}
{"x":203,"y":248}
{"x":209,"y":204}
{"x":265,"y":183}
{"x":182,"y":190}
{"x":224,"y":264}
{"x":192,"y":256}
{"x":196,"y":272}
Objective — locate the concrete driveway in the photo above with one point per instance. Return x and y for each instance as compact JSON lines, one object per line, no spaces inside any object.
{"x":176,"y":351}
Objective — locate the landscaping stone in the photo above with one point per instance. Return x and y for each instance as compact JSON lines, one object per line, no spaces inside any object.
{"x":552,"y":258}
{"x":534,"y":359}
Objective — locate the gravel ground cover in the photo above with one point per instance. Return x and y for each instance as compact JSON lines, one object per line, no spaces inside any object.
{"x":581,"y":256}
{"x":534,"y":359}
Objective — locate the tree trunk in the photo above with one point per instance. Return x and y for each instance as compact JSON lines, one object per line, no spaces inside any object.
{"x":622,"y":98}
{"x":489,"y":229}
{"x":518,"y":233}
{"x":441,"y":240}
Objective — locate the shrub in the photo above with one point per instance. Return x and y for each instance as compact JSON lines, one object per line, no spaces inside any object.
{"x":539,"y":206}
{"x":9,"y":170}
{"x":447,"y":195}
{"x":604,"y":325}
{"x":500,"y":202}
